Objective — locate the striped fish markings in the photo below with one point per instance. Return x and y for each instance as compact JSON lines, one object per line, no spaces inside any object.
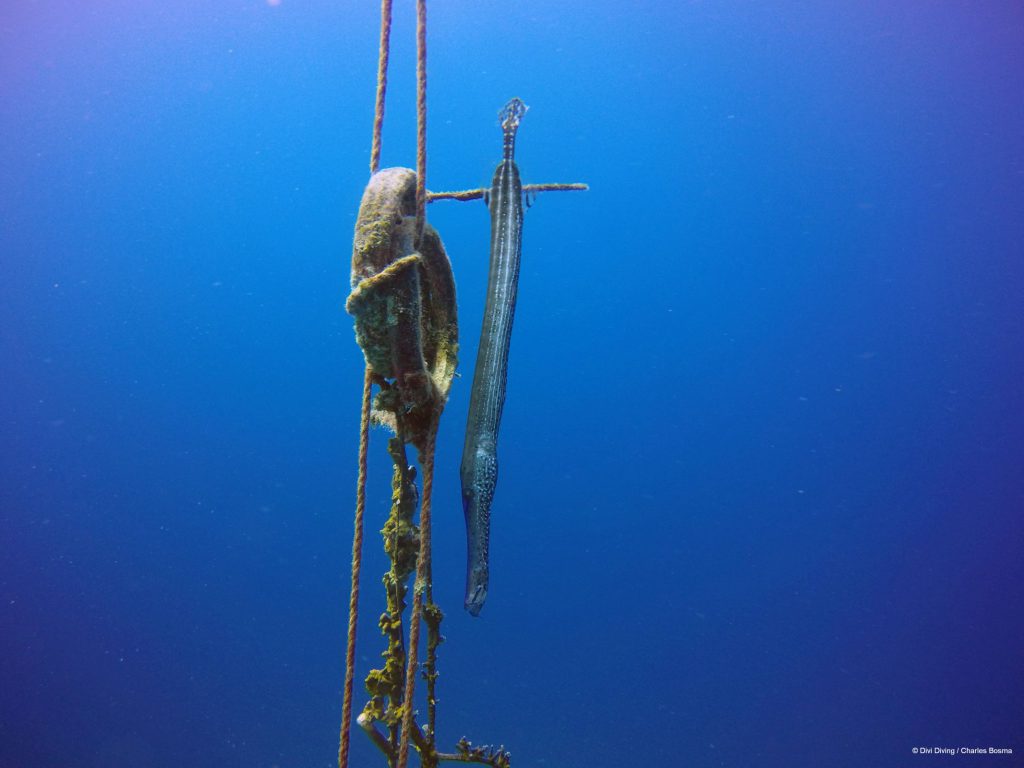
{"x":479,"y":471}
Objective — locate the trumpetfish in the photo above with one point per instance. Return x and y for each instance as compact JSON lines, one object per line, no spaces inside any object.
{"x":479,"y":471}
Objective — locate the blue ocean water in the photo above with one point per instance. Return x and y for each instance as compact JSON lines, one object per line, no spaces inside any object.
{"x":761,"y":480}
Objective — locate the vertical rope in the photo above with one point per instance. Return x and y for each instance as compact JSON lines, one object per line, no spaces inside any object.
{"x":383,"y":52}
{"x":423,"y":561}
{"x":422,"y":580}
{"x":357,"y":557}
{"x":421,"y":116}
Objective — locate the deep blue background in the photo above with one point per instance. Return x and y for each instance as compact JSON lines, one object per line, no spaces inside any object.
{"x":761,"y":459}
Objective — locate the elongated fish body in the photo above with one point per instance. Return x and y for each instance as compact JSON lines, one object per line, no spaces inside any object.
{"x":479,"y":469}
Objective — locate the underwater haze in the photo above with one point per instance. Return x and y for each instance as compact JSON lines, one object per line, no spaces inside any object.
{"x":762,"y":478}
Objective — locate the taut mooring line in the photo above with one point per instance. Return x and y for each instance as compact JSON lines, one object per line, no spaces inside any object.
{"x":344,"y":742}
{"x":383,"y":53}
{"x":357,"y":558}
{"x":421,"y":117}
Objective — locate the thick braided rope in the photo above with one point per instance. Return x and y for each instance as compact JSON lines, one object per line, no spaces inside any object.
{"x":357,"y":557}
{"x":383,"y":52}
{"x":421,"y":116}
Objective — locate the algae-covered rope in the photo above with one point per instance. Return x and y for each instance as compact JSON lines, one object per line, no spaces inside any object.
{"x":423,"y":561}
{"x":357,"y":558}
{"x":383,"y":52}
{"x":419,"y":587}
{"x":528,"y":189}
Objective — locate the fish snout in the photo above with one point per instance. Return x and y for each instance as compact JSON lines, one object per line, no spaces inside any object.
{"x":476,"y":594}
